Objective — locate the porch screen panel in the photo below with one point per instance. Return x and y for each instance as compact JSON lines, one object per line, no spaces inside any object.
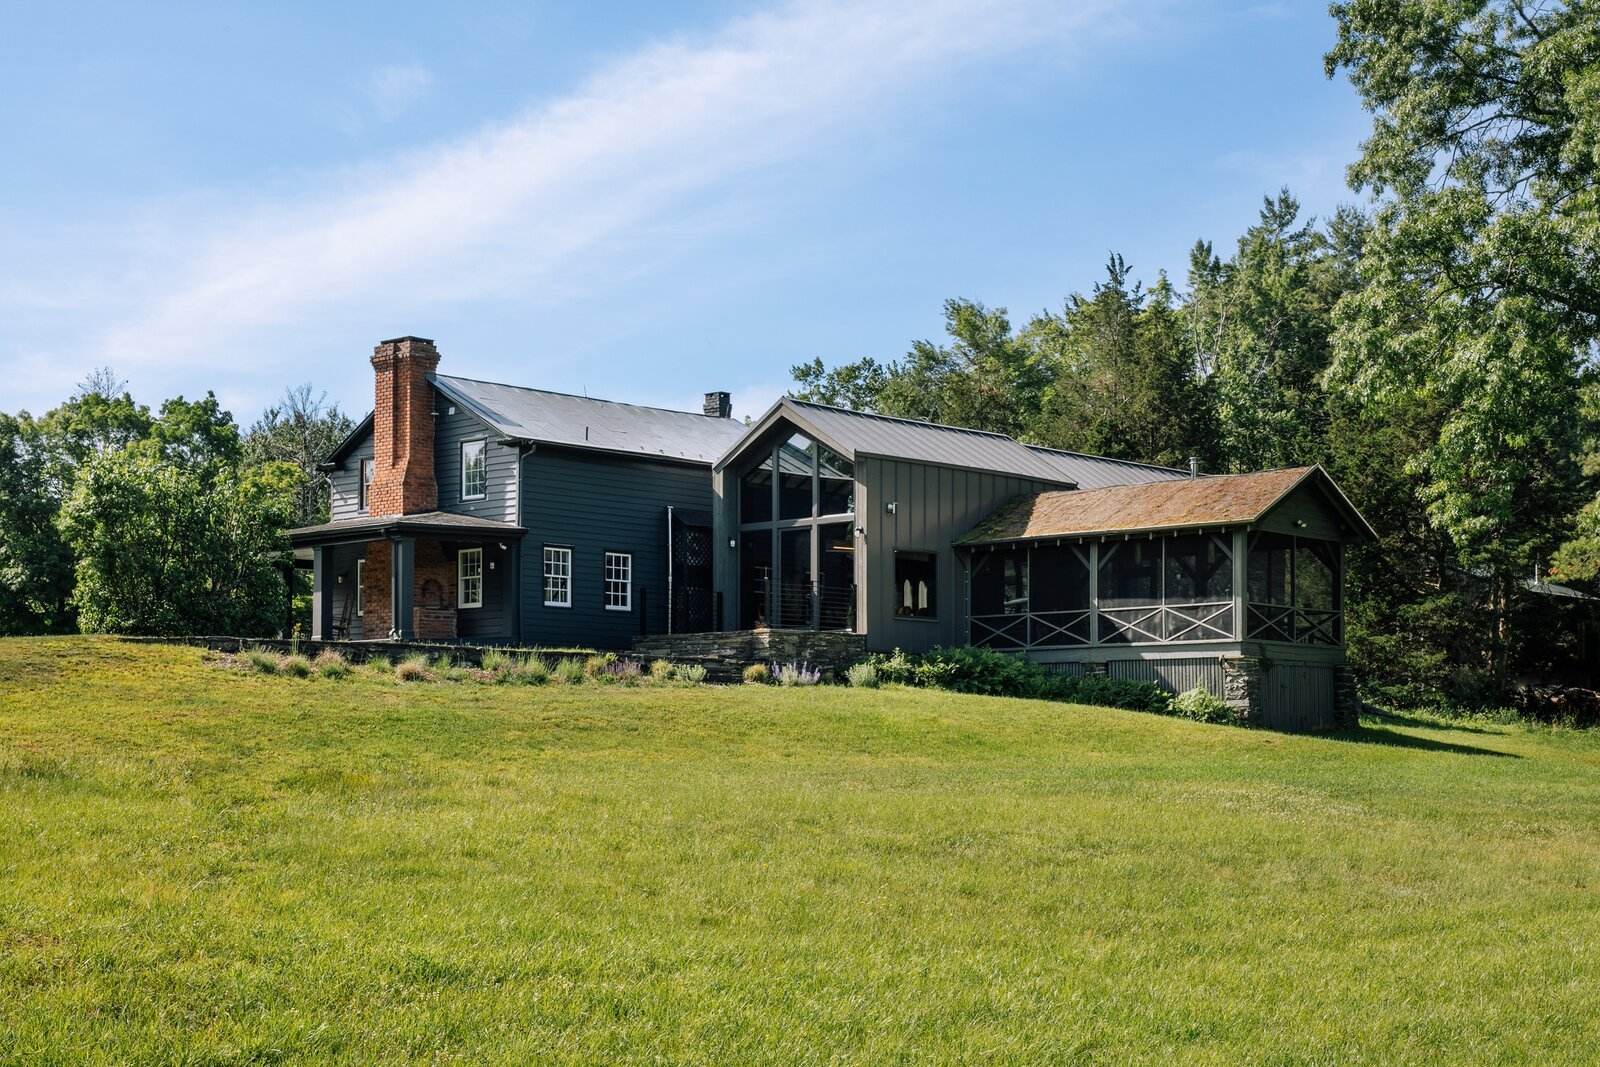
{"x":1058,"y":596}
{"x":1294,"y":589}
{"x":1130,"y":592}
{"x":1198,"y":589}
{"x":999,"y":588}
{"x":1316,"y":592}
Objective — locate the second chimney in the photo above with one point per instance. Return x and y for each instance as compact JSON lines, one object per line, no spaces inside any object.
{"x":718,"y":406}
{"x":402,"y":428}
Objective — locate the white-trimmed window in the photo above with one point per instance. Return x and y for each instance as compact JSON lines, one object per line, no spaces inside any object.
{"x":469,"y":578}
{"x":474,"y":469}
{"x":557,"y":577}
{"x":619,"y":581}
{"x":361,"y":583}
{"x":368,"y":468}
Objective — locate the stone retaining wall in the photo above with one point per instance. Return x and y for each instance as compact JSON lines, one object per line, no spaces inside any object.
{"x":726,"y":654}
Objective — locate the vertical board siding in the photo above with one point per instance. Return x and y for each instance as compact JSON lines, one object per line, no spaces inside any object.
{"x":1297,"y":696}
{"x":597,"y":504}
{"x":449,"y":432}
{"x":344,"y":483}
{"x":933,"y":506}
{"x":1175,"y":675}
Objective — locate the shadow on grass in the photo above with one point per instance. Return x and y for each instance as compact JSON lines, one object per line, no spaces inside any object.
{"x":1368,"y":735}
{"x":1442,"y":722}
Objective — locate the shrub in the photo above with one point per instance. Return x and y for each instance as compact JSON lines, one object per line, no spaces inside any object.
{"x":263,"y":661}
{"x":757,"y":674}
{"x":694,"y":673}
{"x":621,"y":671}
{"x":531,"y":669}
{"x":599,"y":665}
{"x":330,"y":664}
{"x":497,"y":660}
{"x":296,"y":666}
{"x":661,"y":671}
{"x":896,"y":668}
{"x":862,"y":676}
{"x":414,"y":669}
{"x":796,"y":674}
{"x":987,"y":672}
{"x":1117,"y":693}
{"x":570,"y":671}
{"x":1202,"y":706}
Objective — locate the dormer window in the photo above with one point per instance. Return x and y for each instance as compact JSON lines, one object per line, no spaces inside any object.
{"x":368,"y":466}
{"x":474,"y":470}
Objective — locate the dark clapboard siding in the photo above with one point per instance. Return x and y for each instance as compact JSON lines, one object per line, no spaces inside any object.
{"x":345,"y":482}
{"x":596,"y":504}
{"x":450,"y":431}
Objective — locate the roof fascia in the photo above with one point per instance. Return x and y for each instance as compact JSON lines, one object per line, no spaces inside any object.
{"x":336,"y":457}
{"x":782,"y":409}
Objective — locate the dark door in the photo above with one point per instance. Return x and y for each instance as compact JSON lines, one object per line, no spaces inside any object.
{"x":691,"y":573}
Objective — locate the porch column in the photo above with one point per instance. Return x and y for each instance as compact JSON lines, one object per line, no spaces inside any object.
{"x":321,"y":595}
{"x":402,"y":566}
{"x":513,"y":581}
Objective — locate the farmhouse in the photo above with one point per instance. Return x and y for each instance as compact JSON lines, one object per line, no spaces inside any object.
{"x":473,"y":511}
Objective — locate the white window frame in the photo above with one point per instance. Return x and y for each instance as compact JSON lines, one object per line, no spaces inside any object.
{"x":364,"y":483}
{"x":466,"y":579}
{"x":483,"y":450}
{"x":561,"y":557}
{"x":361,"y":584}
{"x":617,"y":581}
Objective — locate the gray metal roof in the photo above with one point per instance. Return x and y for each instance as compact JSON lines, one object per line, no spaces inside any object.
{"x":601,"y":425}
{"x":1098,"y":472}
{"x":858,"y":433}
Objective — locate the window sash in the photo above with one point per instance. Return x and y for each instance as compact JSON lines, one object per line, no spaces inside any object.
{"x":474,"y":470}
{"x":469,"y":578}
{"x":618,"y":581}
{"x":557,"y":577}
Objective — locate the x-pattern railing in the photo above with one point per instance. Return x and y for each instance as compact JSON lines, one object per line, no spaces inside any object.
{"x":1210,"y":620}
{"x":1284,"y":622}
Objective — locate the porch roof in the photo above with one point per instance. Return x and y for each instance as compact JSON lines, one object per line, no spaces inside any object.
{"x":1185,"y":503}
{"x":445,"y":525}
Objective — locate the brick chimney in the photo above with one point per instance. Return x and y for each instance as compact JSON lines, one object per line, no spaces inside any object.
{"x":718,"y":405}
{"x":402,"y":428}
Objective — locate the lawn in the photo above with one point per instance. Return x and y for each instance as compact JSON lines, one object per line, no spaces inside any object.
{"x":199,"y":865}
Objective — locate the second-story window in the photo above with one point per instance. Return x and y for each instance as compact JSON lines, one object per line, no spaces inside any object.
{"x":368,"y":466}
{"x":474,"y":470}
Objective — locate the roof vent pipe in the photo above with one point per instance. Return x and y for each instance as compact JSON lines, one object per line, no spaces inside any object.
{"x":1194,"y":466}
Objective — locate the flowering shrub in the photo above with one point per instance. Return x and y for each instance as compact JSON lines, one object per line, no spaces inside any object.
{"x":796,"y":674}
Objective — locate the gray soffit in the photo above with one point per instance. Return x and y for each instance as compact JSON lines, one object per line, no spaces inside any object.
{"x":858,"y":433}
{"x":1097,"y":472}
{"x":598,"y":425}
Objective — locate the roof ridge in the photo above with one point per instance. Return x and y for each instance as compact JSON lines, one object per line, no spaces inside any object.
{"x":579,"y":396}
{"x":902,"y":418}
{"x":1104,"y":459}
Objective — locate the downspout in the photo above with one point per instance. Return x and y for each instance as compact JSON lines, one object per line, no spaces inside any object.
{"x":669,"y":569}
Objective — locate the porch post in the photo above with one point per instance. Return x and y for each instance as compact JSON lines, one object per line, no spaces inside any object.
{"x":1241,"y":582}
{"x":321,"y":595}
{"x":514,"y":589}
{"x":403,"y":556}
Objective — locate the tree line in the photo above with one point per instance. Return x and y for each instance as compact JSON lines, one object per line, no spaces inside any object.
{"x":114,"y":518}
{"x":1434,"y":349}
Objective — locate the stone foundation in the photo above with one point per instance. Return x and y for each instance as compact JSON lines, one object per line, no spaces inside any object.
{"x":1346,"y":704}
{"x":726,"y":654}
{"x":1241,"y":686}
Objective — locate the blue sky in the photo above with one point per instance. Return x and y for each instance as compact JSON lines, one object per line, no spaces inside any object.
{"x":638,"y":201}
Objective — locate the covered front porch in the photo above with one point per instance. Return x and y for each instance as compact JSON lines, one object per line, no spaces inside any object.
{"x":436,"y":576}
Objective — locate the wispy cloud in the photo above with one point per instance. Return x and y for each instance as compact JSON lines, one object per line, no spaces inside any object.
{"x":516,"y":203}
{"x":393,"y":89}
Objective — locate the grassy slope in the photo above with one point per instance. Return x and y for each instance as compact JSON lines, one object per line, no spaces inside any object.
{"x":202,"y":866}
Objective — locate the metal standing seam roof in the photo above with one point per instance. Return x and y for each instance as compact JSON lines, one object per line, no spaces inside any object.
{"x":601,"y":425}
{"x":858,"y":433}
{"x":1097,"y":472}
{"x":1210,"y":500}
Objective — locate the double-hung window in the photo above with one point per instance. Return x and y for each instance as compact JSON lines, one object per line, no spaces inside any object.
{"x":368,"y":466}
{"x":469,"y":578}
{"x":474,"y":470}
{"x":619,"y":581}
{"x":557,"y":577}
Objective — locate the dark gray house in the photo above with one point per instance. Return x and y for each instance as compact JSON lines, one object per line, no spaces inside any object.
{"x":466,"y":510}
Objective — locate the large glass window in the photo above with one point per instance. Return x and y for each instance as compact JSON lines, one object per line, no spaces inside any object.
{"x":557,"y":576}
{"x":474,"y":469}
{"x":794,"y":577}
{"x":619,"y":581}
{"x":756,"y":592}
{"x":755,"y":494}
{"x":469,"y":578}
{"x":796,"y":470}
{"x":915,"y":585}
{"x":836,"y":576}
{"x":837,"y":482}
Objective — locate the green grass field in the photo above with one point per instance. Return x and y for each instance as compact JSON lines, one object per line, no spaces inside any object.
{"x":199,"y":865}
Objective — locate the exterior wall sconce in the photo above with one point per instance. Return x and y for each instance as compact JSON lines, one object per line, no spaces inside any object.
{"x":892,"y":506}
{"x":861,"y":531}
{"x":341,"y":579}
{"x":733,"y":542}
